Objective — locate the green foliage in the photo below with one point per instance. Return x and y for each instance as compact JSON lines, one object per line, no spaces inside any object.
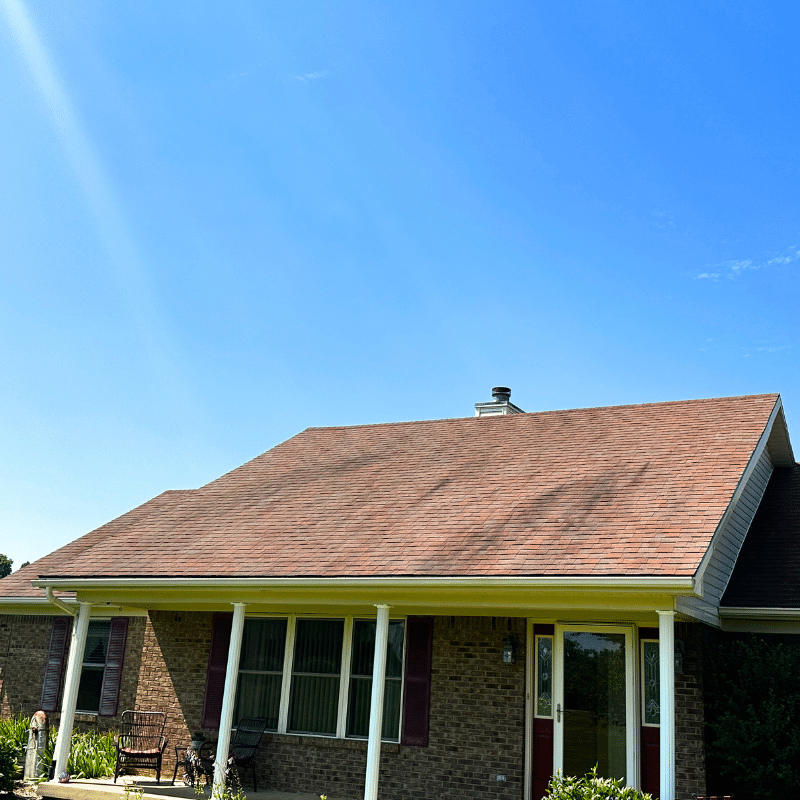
{"x":14,"y":733}
{"x":5,"y":565}
{"x":753,"y":719}
{"x":591,"y":787}
{"x":8,"y":769}
{"x":91,"y":755}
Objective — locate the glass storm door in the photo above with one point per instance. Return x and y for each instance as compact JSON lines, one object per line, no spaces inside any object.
{"x":594,"y":702}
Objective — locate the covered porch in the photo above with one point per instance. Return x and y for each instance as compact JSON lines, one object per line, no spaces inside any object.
{"x":129,"y":787}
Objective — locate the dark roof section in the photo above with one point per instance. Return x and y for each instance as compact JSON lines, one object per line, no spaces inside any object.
{"x":618,"y":491}
{"x":767,"y":574}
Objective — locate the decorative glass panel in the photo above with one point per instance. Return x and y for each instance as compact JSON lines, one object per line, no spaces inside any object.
{"x":361,"y":679}
{"x":314,"y":698}
{"x":544,"y":676}
{"x":258,"y":693}
{"x":651,"y":686}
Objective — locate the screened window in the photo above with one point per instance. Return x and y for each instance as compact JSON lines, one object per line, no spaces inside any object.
{"x":361,"y":662}
{"x":258,"y":693}
{"x":94,"y":664}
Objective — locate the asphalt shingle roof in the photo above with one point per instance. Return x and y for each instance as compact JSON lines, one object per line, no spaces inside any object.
{"x":626,"y":490}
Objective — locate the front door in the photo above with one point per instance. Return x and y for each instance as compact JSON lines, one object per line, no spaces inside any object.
{"x":593,"y":695}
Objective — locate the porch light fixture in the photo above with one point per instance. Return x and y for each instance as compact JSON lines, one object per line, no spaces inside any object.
{"x":510,"y":649}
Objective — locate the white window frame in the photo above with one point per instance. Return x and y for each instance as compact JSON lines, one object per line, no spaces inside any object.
{"x":344,"y":674}
{"x":95,"y":667}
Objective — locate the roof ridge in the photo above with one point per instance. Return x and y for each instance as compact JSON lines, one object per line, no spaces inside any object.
{"x":653,"y":403}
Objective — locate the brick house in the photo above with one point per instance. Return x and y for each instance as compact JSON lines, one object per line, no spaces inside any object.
{"x":535,"y":587}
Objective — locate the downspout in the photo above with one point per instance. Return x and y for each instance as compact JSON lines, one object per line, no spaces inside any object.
{"x":51,"y":598}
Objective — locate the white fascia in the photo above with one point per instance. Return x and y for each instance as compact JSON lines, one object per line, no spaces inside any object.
{"x":624,"y":582}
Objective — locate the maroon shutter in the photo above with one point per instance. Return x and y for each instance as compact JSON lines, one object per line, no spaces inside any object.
{"x":59,"y":639}
{"x":417,"y":690}
{"x":112,"y":675}
{"x":217,"y":667}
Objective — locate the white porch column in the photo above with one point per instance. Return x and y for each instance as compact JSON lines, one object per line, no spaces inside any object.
{"x":376,"y":704}
{"x":666,"y":669}
{"x":71,"y":684}
{"x":228,"y":699}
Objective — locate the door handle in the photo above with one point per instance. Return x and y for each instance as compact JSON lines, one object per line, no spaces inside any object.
{"x":559,"y":712}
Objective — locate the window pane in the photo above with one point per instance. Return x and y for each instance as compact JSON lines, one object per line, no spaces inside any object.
{"x":263,"y":643}
{"x":96,"y":643}
{"x":359,"y":705}
{"x":361,"y":679}
{"x":318,"y":646}
{"x":651,"y":685}
{"x":258,"y":695}
{"x":544,"y":676}
{"x":314,"y":698}
{"x":314,"y":704}
{"x":89,"y":690}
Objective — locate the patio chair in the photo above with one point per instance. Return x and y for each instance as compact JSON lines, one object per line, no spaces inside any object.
{"x":245,"y":744}
{"x":141,"y":742}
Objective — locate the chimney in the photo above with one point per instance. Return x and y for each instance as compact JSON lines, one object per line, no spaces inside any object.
{"x":499,"y":406}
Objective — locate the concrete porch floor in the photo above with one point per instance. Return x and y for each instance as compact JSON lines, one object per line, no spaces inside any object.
{"x":106,"y":789}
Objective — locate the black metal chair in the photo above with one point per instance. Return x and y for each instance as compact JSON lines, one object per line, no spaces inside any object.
{"x":245,"y":744}
{"x":141,"y":742}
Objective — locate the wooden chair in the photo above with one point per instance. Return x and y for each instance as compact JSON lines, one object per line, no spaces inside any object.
{"x":141,"y":742}
{"x":245,"y":744}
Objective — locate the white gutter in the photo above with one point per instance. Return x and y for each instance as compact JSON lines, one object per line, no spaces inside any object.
{"x":51,"y":598}
{"x":680,"y":583}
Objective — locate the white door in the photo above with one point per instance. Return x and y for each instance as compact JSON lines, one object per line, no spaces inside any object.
{"x":593,"y":671}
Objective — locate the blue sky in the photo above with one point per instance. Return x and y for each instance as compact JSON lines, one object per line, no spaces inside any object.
{"x":222,"y":223}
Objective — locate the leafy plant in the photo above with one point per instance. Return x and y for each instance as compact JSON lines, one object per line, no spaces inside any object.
{"x":753,"y":718}
{"x":14,"y":733}
{"x":8,"y":769}
{"x":91,"y":755}
{"x":591,"y":787}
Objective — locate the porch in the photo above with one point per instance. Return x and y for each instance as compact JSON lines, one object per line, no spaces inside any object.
{"x":106,"y":789}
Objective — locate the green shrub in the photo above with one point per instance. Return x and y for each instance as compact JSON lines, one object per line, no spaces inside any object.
{"x":14,"y":733}
{"x":753,"y":718}
{"x":91,"y":755}
{"x":591,"y":787}
{"x":8,"y":769}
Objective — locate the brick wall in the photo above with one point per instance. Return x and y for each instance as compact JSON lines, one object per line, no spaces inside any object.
{"x":690,"y":765}
{"x":24,"y":641}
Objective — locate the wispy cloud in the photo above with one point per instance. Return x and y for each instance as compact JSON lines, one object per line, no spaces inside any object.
{"x":311,"y":76}
{"x":732,"y":269}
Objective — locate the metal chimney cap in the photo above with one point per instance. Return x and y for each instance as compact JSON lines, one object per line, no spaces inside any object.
{"x":501,"y":394}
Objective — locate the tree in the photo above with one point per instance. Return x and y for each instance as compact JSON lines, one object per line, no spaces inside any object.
{"x":25,"y":564}
{"x":5,"y":565}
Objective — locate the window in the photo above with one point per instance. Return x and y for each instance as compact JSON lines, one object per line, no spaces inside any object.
{"x":261,"y":670}
{"x":101,"y":668}
{"x":314,"y":676}
{"x":94,"y":664}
